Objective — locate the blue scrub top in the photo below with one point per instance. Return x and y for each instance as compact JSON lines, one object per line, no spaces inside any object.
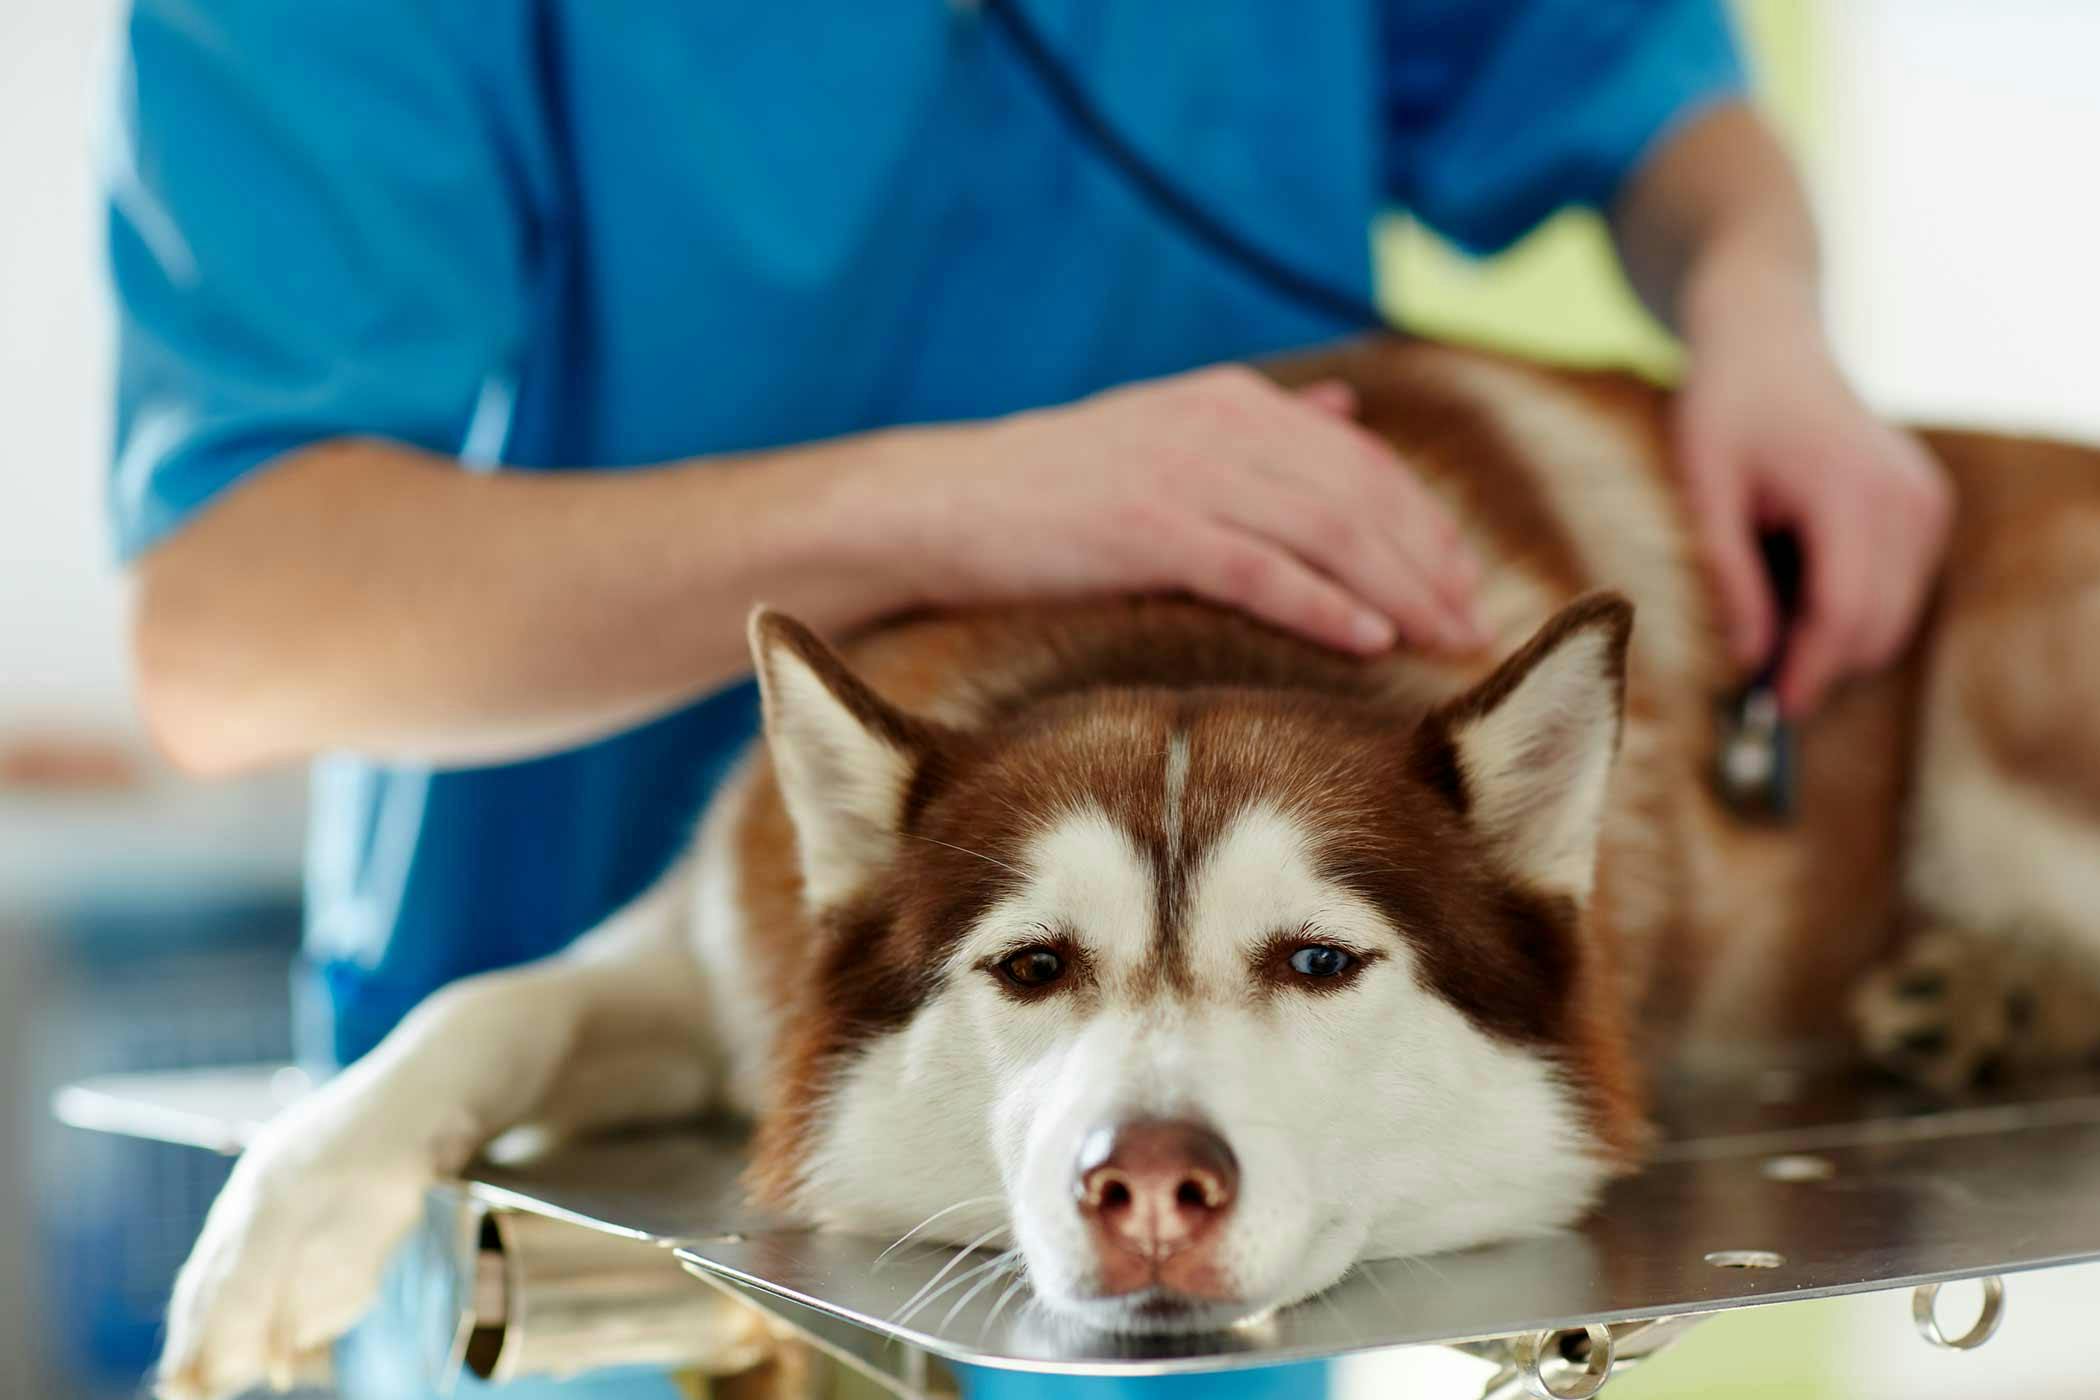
{"x":592,"y":234}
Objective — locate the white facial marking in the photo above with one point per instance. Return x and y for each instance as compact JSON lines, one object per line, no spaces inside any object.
{"x":1085,"y":875}
{"x":1261,"y":879}
{"x":1176,"y":785}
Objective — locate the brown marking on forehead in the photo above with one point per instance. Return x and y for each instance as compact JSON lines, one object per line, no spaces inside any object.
{"x":1121,"y":754}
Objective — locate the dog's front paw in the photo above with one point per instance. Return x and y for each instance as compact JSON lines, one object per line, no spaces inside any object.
{"x":290,"y":1256}
{"x":1958,"y":1008}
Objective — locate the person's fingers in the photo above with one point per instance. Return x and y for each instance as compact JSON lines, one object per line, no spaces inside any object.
{"x":1429,"y":533}
{"x":1729,"y":541}
{"x":1835,"y":610}
{"x":1333,"y":396}
{"x":1915,"y":526}
{"x":1726,"y":527}
{"x":1899,"y":600}
{"x":1246,"y":572}
{"x":1883,"y":635}
{"x":1369,"y":561}
{"x":1361,"y":475}
{"x":1288,"y":466}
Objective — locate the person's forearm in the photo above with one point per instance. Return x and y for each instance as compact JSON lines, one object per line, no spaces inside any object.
{"x":1717,"y":217}
{"x":1766,"y":433}
{"x":368,"y":597}
{"x":363,"y":596}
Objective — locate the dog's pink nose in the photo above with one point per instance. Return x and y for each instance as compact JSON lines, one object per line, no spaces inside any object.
{"x":1156,"y":1188}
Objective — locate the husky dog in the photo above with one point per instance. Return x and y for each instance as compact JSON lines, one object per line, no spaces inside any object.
{"x":1208,"y":962}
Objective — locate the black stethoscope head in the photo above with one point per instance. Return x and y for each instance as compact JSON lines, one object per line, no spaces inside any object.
{"x":1754,"y":748}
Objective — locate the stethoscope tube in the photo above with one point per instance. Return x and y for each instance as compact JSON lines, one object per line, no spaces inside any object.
{"x":1175,"y":204}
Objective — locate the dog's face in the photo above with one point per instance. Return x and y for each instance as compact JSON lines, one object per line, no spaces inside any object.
{"x":1203,"y":996}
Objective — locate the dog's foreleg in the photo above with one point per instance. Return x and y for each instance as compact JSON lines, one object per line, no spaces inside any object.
{"x":293,"y":1250}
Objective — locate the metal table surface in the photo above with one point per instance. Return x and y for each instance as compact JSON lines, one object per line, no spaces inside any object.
{"x":1824,"y":1187}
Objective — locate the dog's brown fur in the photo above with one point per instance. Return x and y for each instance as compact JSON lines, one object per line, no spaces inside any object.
{"x":1705,"y":936}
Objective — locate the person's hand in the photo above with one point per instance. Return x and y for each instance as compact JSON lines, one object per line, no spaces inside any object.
{"x":1217,"y":483}
{"x":1769,"y":436}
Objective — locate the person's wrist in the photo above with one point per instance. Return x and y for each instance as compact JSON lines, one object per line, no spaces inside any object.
{"x":866,"y":520}
{"x":1758,"y":292}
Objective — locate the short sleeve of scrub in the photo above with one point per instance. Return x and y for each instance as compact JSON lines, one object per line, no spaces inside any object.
{"x":1500,"y":112}
{"x":307,"y":239}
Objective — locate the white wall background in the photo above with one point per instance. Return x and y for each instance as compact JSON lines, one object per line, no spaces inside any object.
{"x":1962,"y":197}
{"x":62,"y":601}
{"x":61,"y":604}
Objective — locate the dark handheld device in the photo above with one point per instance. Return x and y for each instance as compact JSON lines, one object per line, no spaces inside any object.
{"x":1754,"y":753}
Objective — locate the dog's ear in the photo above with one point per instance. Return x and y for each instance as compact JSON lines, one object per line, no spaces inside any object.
{"x":842,"y":754}
{"x":1526,"y":755}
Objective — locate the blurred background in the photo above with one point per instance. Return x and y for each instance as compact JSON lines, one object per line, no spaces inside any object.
{"x":146,"y":922}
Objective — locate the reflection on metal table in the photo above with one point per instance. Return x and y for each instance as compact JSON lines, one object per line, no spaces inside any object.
{"x":1768,"y":1190}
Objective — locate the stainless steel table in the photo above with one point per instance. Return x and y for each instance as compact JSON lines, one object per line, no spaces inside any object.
{"x":1765,"y":1190}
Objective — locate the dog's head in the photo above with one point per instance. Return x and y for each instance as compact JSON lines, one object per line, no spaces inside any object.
{"x":1203,"y":995}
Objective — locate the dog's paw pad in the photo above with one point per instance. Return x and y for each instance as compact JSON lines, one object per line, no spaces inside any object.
{"x":1958,"y":1009}
{"x":1937,"y":1015}
{"x":1921,"y":984}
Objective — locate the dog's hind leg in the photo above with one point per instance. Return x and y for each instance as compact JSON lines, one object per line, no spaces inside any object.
{"x":2003,"y":863}
{"x":292,"y":1251}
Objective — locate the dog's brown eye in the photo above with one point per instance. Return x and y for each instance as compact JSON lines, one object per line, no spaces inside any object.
{"x":1033,"y":967}
{"x":1322,"y":960}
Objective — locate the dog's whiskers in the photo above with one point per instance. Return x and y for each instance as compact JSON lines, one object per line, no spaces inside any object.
{"x":1369,"y":1273}
{"x":899,"y":1242}
{"x":1336,"y":1308}
{"x":1004,"y":1264}
{"x":965,"y":850}
{"x":1426,"y":1266}
{"x":897,"y":1319}
{"x":1020,"y":1281}
{"x":994,"y":1266}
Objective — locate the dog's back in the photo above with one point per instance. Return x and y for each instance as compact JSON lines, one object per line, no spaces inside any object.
{"x":1727,"y":938}
{"x":1731,"y":940}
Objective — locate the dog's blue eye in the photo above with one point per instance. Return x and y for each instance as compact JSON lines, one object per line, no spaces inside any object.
{"x":1320,"y":960}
